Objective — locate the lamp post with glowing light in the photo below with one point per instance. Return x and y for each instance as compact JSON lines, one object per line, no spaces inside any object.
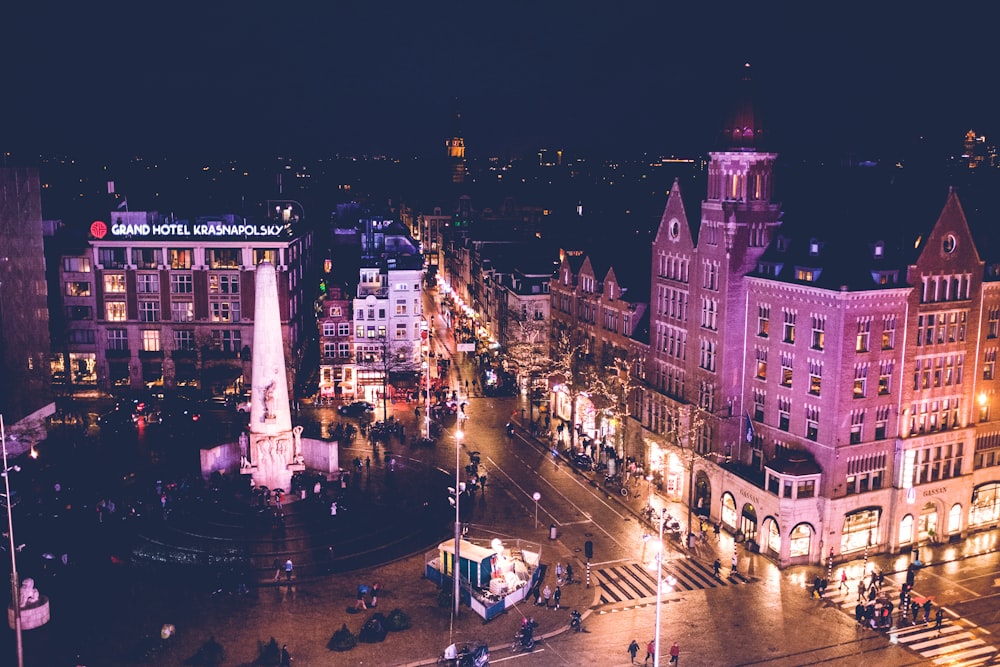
{"x":659,"y":590}
{"x":456,"y":570}
{"x":536,"y":496}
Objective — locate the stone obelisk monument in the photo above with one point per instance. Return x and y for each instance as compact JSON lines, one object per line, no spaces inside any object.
{"x":275,"y":448}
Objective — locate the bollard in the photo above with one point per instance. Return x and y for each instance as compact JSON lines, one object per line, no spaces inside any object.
{"x":552,"y":531}
{"x":588,"y":574}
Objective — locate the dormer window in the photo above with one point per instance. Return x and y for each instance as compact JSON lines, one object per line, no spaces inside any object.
{"x":886,"y":277}
{"x":807,"y":274}
{"x":879,"y":249}
{"x":781,"y":244}
{"x":813,"y":247}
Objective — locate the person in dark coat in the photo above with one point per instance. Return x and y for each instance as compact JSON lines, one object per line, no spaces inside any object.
{"x":633,"y":648}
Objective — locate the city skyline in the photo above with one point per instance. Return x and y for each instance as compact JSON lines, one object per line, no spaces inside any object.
{"x":388,"y":78}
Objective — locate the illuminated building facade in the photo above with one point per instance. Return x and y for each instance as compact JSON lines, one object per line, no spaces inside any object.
{"x":24,"y":318}
{"x":160,"y":301}
{"x":822,"y":380}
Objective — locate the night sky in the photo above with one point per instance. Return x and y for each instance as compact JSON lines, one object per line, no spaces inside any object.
{"x":382,"y":77}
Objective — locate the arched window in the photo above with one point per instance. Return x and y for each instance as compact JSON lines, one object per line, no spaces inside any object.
{"x":906,"y":529}
{"x":955,"y":519}
{"x":800,"y":540}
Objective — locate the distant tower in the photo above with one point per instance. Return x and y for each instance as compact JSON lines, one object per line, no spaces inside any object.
{"x":456,"y":150}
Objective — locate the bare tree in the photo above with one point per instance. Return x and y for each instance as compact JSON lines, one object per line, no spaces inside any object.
{"x":614,"y":389}
{"x":388,"y":356}
{"x":528,"y":350}
{"x":575,"y":367}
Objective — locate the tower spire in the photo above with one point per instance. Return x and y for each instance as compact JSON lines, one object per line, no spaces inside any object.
{"x":741,"y":128}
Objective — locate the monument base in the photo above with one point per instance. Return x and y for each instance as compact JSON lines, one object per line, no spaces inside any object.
{"x":33,"y":615}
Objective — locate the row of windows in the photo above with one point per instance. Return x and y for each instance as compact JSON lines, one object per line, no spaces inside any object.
{"x":945,"y":288}
{"x":942,"y":371}
{"x":673,"y":268}
{"x":336,"y":329}
{"x":930,"y":416}
{"x":673,"y":303}
{"x":941,"y":328}
{"x":180,"y":311}
{"x":371,"y":331}
{"x":177,"y":258}
{"x":222,"y":339}
{"x":818,"y":340}
{"x":149,"y":283}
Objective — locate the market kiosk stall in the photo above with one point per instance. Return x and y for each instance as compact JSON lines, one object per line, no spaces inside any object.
{"x":492,"y":578}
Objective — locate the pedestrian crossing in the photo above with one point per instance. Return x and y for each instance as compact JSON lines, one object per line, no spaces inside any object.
{"x":634,"y":581}
{"x":956,"y":643}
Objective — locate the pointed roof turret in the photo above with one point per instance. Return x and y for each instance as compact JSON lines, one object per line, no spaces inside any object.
{"x":741,"y":129}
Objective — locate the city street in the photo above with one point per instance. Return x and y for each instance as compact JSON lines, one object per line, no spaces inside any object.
{"x":757,"y":616}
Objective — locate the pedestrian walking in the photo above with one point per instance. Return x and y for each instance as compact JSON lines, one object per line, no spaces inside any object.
{"x":927,"y":610}
{"x":546,"y":595}
{"x":716,"y":528}
{"x":557,"y":595}
{"x":938,"y":619}
{"x":675,"y":653}
{"x":859,"y":613}
{"x":277,"y":569}
{"x":368,"y":466}
{"x":286,"y":657}
{"x":376,"y":587}
{"x":716,"y":566}
{"x":843,"y":581}
{"x":633,"y":650}
{"x":861,"y":589}
{"x":732,"y":570}
{"x":914,"y":610}
{"x":559,"y":573}
{"x":650,"y":651}
{"x":288,"y":569}
{"x":359,"y":602}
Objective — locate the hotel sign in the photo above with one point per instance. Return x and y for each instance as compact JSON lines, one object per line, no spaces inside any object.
{"x":99,"y":229}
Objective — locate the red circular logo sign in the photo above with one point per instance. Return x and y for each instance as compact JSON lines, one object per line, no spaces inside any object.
{"x":98,"y":229}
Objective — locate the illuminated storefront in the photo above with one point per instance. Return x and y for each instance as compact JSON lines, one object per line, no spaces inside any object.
{"x":860,"y":530}
{"x":985,"y":508}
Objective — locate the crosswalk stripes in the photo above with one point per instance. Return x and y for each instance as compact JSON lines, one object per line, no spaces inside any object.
{"x":954,"y":645}
{"x":634,"y":581}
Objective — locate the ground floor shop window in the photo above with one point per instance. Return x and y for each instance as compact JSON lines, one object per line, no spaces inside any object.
{"x":728,"y":510}
{"x":860,"y":530}
{"x":955,"y":519}
{"x":985,"y":507}
{"x":84,"y":366}
{"x":906,"y":529}
{"x":800,"y":540}
{"x":771,"y":537}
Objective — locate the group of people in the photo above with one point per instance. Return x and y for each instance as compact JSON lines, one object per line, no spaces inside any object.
{"x":633,"y":651}
{"x":371,"y":591}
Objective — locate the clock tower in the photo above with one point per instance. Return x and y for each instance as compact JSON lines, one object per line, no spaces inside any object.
{"x":455,"y":145}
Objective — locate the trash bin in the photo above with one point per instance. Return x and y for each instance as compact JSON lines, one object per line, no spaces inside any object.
{"x":691,"y":539}
{"x":552,"y":531}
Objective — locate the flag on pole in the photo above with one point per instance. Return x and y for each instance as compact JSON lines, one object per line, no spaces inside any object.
{"x":123,"y":204}
{"x":749,"y":425}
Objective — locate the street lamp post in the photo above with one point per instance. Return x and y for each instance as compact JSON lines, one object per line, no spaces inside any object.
{"x":659,"y":591}
{"x":15,"y":589}
{"x":536,"y":496}
{"x":456,"y":570}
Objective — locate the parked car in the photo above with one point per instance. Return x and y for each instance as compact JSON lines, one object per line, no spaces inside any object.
{"x":356,"y":409}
